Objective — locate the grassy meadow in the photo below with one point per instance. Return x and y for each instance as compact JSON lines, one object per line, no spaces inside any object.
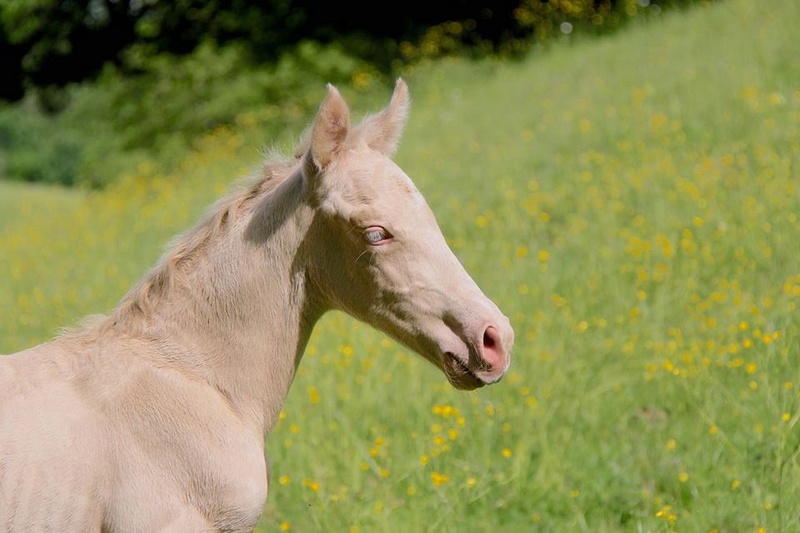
{"x":631,"y":202}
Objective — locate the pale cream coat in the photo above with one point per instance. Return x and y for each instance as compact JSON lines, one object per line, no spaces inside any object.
{"x":153,"y":418}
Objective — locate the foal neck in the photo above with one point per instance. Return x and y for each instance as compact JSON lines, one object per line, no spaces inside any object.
{"x":229,"y":304}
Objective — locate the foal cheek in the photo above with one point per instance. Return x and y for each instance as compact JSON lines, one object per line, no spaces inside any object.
{"x":350,"y":278}
{"x":392,"y":281}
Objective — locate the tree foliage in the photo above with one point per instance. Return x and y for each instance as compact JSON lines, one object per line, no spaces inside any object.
{"x":50,"y":43}
{"x":97,"y":85}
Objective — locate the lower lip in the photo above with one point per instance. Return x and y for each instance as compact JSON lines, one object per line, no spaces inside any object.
{"x":465,"y":376}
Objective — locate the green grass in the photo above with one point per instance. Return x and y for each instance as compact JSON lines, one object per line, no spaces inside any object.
{"x":631,"y":202}
{"x":22,"y":202}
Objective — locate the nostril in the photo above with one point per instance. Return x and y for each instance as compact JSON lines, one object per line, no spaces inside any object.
{"x":493,"y":354}
{"x":489,"y":338}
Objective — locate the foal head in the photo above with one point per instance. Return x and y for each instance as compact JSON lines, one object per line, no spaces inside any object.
{"x":380,"y":255}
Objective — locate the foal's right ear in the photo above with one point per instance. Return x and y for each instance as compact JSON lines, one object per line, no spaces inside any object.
{"x":328,"y":133}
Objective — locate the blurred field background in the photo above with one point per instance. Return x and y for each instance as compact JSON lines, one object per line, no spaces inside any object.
{"x":630,"y":200}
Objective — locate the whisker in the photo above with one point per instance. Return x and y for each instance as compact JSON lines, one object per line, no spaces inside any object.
{"x":360,"y":256}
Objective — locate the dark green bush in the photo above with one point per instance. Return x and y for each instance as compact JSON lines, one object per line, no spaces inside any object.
{"x":35,"y":151}
{"x":121,"y":119}
{"x":153,"y":103}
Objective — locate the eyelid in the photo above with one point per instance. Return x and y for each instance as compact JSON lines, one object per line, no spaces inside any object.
{"x":377,"y":235}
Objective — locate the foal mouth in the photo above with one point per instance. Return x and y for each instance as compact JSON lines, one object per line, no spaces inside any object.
{"x":459,"y":374}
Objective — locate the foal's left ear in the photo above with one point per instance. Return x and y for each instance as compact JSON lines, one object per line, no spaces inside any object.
{"x":382,"y":130}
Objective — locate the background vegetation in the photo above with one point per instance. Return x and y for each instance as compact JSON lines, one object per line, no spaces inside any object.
{"x":631,"y":201}
{"x":101,"y":84}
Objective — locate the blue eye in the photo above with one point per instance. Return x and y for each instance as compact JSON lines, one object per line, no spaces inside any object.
{"x":376,"y":235}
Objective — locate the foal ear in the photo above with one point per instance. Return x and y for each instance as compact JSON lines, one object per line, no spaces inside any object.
{"x":330,"y":129}
{"x":382,"y":130}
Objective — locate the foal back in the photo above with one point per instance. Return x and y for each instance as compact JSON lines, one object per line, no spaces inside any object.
{"x":51,"y":448}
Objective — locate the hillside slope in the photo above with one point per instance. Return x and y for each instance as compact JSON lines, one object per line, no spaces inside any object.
{"x":631,"y":202}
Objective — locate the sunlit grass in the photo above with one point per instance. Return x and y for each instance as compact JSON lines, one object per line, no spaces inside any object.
{"x":20,"y":202}
{"x":632,"y":203}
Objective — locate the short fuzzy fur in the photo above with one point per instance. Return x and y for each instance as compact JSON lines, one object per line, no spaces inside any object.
{"x":153,"y":417}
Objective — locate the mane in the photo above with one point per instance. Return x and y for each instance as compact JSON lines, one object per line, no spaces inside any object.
{"x":138,"y":303}
{"x":187,"y":247}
